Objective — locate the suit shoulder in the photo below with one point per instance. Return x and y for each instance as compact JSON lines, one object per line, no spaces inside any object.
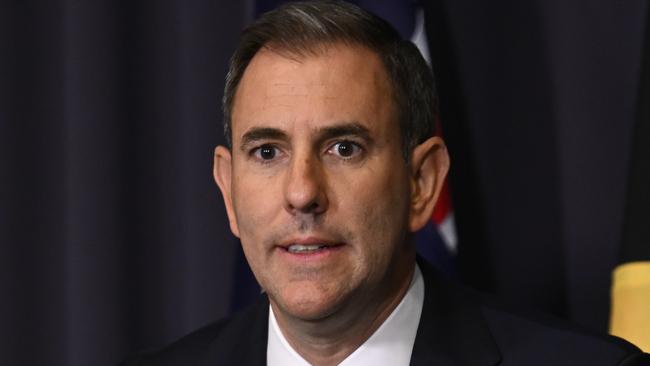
{"x":554,"y":341}
{"x":221,"y":340}
{"x":182,"y":350}
{"x":524,"y":337}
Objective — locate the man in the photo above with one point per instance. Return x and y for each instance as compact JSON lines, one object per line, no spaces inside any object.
{"x":332,"y":163}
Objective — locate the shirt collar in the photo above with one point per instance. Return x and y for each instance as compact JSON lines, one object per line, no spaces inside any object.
{"x":391,"y":344}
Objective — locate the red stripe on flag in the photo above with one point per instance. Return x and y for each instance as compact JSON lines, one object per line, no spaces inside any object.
{"x":443,"y":206}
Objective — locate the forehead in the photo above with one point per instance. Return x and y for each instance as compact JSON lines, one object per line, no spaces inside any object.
{"x":338,"y":83}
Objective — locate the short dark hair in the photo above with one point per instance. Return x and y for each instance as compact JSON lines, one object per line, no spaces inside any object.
{"x":303,"y":28}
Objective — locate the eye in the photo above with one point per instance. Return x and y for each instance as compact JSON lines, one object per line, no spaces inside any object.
{"x":345,"y":149}
{"x":265,"y":152}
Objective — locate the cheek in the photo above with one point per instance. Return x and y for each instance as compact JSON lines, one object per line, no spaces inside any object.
{"x":385,"y":221}
{"x":378,"y":228}
{"x":256,"y":203}
{"x":378,"y":206}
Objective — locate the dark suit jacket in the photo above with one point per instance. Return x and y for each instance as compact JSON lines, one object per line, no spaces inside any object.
{"x":458,"y":327}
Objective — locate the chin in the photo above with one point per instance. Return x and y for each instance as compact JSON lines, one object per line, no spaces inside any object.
{"x":308,"y":302}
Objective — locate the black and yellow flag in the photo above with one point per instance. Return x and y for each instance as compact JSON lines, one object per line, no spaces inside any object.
{"x":630,"y":312}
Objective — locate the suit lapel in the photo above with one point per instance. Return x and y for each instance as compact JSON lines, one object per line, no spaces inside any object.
{"x":243,"y":340}
{"x":452,"y":329}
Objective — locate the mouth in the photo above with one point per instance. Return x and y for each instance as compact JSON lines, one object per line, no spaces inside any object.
{"x":309,"y":246}
{"x":307,"y":249}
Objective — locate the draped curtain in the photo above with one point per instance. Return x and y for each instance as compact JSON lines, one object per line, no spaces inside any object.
{"x":113,"y":236}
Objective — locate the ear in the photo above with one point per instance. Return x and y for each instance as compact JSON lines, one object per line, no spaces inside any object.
{"x":222,"y":172}
{"x":429,"y":166}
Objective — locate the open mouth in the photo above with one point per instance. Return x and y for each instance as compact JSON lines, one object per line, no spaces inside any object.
{"x":309,"y":248}
{"x":299,"y":248}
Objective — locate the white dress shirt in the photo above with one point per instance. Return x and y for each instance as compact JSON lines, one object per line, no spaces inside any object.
{"x":391,"y":344}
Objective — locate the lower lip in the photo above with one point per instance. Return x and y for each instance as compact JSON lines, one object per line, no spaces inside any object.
{"x":315,"y":255}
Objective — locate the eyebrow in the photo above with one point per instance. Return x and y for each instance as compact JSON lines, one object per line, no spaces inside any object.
{"x":325,"y":133}
{"x":262,"y":133}
{"x":344,"y":129}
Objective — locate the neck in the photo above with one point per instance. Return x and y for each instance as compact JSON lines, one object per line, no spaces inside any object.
{"x":330,"y":340}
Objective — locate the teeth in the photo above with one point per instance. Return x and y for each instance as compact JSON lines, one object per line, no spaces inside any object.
{"x":298,"y":248}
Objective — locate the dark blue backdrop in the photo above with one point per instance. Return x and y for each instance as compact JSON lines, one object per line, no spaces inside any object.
{"x":113,"y":236}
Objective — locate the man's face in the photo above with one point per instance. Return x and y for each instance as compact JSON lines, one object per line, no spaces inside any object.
{"x":316,"y":186}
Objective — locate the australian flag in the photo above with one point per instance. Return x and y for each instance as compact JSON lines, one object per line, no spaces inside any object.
{"x":436,"y":242}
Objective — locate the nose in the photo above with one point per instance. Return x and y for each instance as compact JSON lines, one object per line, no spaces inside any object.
{"x":305,"y":187}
